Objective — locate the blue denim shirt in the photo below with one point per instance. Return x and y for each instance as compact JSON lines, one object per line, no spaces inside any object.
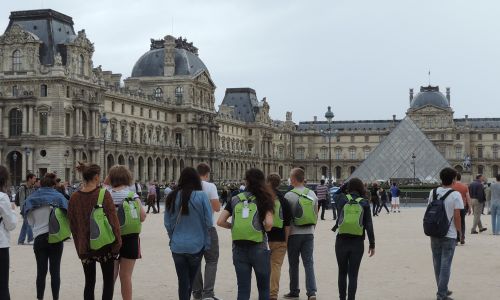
{"x":190,"y":235}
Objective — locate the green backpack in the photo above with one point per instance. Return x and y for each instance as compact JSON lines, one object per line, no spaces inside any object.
{"x":101,"y":233}
{"x":59,"y":230}
{"x":351,"y":217}
{"x":129,"y":213}
{"x":245,"y":224}
{"x":278,"y":214}
{"x":305,"y":211}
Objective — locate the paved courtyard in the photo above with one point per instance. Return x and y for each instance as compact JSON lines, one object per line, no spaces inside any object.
{"x":401,"y":268}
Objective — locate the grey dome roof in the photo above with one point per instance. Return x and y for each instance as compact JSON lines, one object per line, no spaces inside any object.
{"x":429,"y":95}
{"x":152,"y":62}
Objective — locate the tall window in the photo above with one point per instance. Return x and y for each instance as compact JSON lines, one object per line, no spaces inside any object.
{"x":495,"y":151}
{"x":43,"y":123}
{"x":479,"y":136}
{"x":132,"y":110}
{"x":352,"y":138}
{"x":67,"y":128}
{"x":15,"y":122}
{"x":142,"y":112}
{"x":158,"y":93}
{"x":300,"y":153}
{"x":480,"y":152}
{"x":366,"y":152}
{"x":179,"y":118}
{"x":43,"y":90}
{"x":495,"y":136}
{"x":457,"y":137}
{"x":16,"y":60}
{"x":458,"y":152}
{"x":81,"y":65}
{"x":112,"y":105}
{"x":338,"y":153}
{"x":323,"y":153}
{"x":123,"y":108}
{"x":367,"y":138}
{"x":178,"y":94}
{"x":480,"y":169}
{"x":68,"y":92}
{"x":352,"y":153}
{"x":15,"y":91}
{"x":84,"y":124}
{"x":178,"y":139}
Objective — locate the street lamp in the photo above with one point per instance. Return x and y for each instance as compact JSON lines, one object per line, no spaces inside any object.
{"x":329,"y":117}
{"x":14,"y":157}
{"x":104,"y":123}
{"x":413,"y":163}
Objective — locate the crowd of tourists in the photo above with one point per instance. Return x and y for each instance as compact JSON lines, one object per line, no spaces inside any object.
{"x":104,"y":220}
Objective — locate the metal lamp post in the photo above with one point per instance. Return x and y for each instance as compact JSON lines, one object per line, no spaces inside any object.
{"x":104,"y":123}
{"x":329,"y":117}
{"x":413,"y":163}
{"x":14,"y":157}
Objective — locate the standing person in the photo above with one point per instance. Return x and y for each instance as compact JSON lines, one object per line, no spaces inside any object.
{"x":158,"y":194}
{"x":395,"y":198}
{"x":349,"y":244}
{"x":37,"y":209}
{"x":25,"y":190}
{"x":151,"y":199}
{"x":8,"y":221}
{"x":487,"y":195}
{"x":383,"y":199}
{"x":120,"y":178}
{"x":495,"y":206}
{"x":278,"y":236}
{"x":301,"y":239}
{"x":322,"y":193}
{"x":250,"y":245}
{"x":80,"y":207}
{"x":478,"y":198}
{"x":205,"y":290}
{"x":188,"y":216}
{"x":464,"y":193}
{"x":443,"y":247}
{"x":374,"y":198}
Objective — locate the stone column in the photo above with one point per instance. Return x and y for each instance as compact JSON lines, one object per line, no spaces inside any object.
{"x":1,"y":120}
{"x":24,"y":165}
{"x":91,"y":124}
{"x":78,"y":124}
{"x":31,"y":120}
{"x":25,"y":120}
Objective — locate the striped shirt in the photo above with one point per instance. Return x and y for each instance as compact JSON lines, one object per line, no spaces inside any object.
{"x":321,"y":192}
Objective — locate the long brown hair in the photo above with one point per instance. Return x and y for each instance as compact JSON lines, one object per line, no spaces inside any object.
{"x":4,"y":179}
{"x":189,"y":181}
{"x":89,"y":171}
{"x":264,"y":196}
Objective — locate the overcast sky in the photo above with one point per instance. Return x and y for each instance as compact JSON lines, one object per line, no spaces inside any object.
{"x":360,"y":57}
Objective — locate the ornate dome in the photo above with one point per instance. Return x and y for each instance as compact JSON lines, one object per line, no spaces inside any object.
{"x":429,"y":95}
{"x":186,"y":59}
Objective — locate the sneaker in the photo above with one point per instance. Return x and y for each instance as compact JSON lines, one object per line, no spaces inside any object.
{"x":20,"y":243}
{"x":290,"y":296}
{"x":399,"y":211}
{"x":448,"y":293}
{"x":484,"y":229}
{"x":474,"y":232}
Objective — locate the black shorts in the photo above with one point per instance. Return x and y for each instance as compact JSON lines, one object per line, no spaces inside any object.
{"x":131,"y":247}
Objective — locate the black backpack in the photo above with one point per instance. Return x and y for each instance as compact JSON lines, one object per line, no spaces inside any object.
{"x":436,"y":222}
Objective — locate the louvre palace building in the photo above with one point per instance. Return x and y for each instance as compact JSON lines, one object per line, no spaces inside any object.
{"x":57,"y":108}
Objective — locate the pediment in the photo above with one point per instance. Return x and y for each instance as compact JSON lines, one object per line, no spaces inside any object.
{"x":204,"y":77}
{"x":429,"y":109}
{"x":17,"y":35}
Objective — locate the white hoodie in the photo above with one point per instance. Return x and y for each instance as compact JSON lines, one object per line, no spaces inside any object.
{"x":9,"y":220}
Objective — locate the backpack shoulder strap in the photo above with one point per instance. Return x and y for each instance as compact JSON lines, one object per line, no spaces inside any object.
{"x":305,"y":192}
{"x":242,"y":197}
{"x":130,"y":195}
{"x":434,"y":194}
{"x":101,"y":196}
{"x":349,"y":197}
{"x":447,"y":194}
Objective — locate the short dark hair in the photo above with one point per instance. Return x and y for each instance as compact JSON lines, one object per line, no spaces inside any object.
{"x":478,"y":176}
{"x":355,"y":185}
{"x":29,"y":176}
{"x":447,"y":175}
{"x":298,"y":174}
{"x":119,"y":175}
{"x":274,"y":180}
{"x":203,"y":169}
{"x":48,"y":180}
{"x":459,"y":176}
{"x":322,"y":181}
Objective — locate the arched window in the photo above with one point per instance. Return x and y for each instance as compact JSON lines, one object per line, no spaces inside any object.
{"x":81,"y":65}
{"x":43,"y":123}
{"x":43,"y":90}
{"x":15,"y":122}
{"x":16,"y":60}
{"x":158,"y":93}
{"x":178,"y":94}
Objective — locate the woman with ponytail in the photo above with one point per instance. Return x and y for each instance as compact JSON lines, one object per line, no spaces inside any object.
{"x":188,"y":216}
{"x":251,"y":215}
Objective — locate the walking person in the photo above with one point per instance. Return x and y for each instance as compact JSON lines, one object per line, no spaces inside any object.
{"x":250,"y":244}
{"x":278,"y":236}
{"x":349,"y":244}
{"x":464,"y":193}
{"x":322,"y":193}
{"x":120,"y":178}
{"x":478,"y":198}
{"x":495,"y":206}
{"x":443,"y":245}
{"x":395,"y":192}
{"x":374,"y":198}
{"x":205,"y":290}
{"x":188,"y":216}
{"x":383,"y":199}
{"x":37,"y":209}
{"x":151,"y":199}
{"x":80,"y":207}
{"x":8,"y":221}
{"x":301,"y":239}
{"x":158,"y":198}
{"x":25,"y":190}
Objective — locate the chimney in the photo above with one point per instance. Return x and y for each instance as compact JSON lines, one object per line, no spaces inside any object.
{"x":448,"y":96}
{"x":315,"y":119}
{"x":169,"y":61}
{"x":411,"y":95}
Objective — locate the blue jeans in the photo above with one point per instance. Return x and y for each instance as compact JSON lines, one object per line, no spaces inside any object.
{"x":442,"y":256}
{"x":25,"y":230}
{"x":301,"y":245}
{"x":495,"y":218}
{"x":186,"y":266}
{"x":257,"y":258}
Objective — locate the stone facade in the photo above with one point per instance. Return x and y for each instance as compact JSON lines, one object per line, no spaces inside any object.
{"x":163,"y":117}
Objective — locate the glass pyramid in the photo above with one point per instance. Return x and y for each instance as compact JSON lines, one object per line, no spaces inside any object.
{"x":392,"y":159}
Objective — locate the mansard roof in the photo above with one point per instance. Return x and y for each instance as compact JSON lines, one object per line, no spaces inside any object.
{"x":244,"y":101}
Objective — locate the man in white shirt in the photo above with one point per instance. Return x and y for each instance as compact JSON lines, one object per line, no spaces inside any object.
{"x":205,"y":290}
{"x":443,"y":248}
